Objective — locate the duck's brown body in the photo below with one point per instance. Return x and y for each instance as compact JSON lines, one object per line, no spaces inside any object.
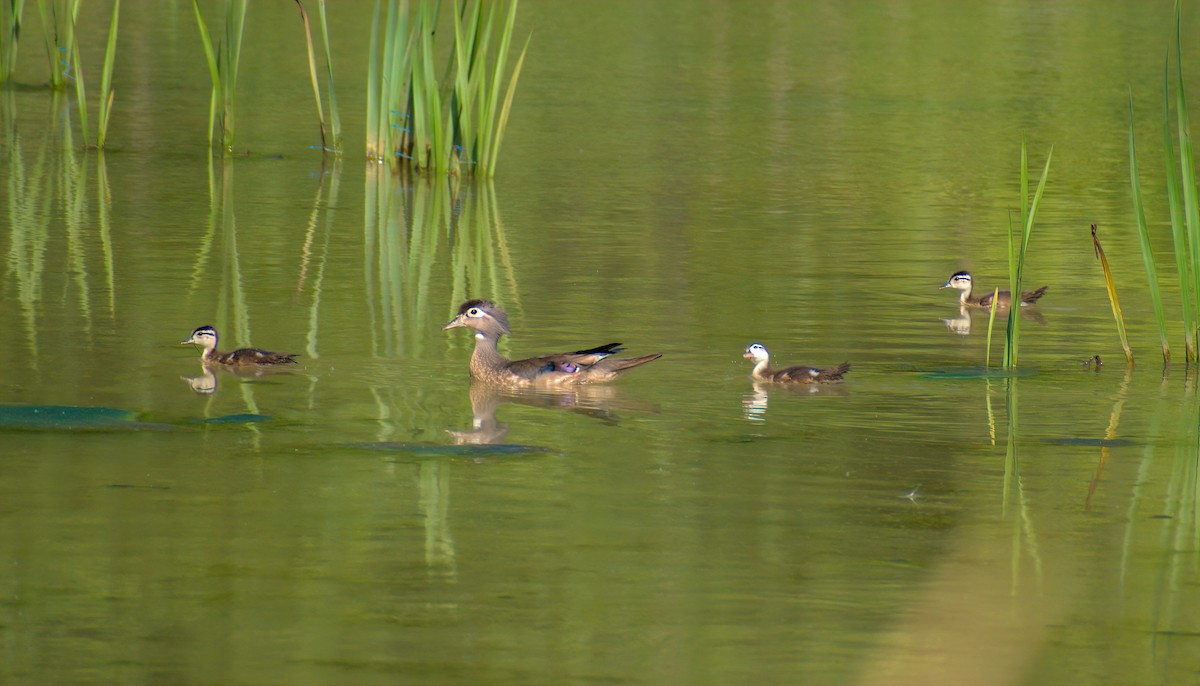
{"x":963,"y":282}
{"x":206,"y":338}
{"x":488,"y":365}
{"x":798,"y":374}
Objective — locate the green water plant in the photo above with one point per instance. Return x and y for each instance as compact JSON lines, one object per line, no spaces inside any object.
{"x":1144,"y":236}
{"x":1182,"y":202}
{"x":106,"y":91}
{"x":107,"y":94}
{"x":331,"y":140}
{"x":1018,"y":248}
{"x":11,"y":13}
{"x":58,"y":31}
{"x":1113,"y":300}
{"x":452,"y":125}
{"x":223,"y":60}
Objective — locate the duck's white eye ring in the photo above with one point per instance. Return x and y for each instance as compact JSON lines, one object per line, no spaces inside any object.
{"x":474,"y":312}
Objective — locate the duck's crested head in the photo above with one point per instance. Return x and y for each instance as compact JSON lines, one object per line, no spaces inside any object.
{"x":960,"y":280}
{"x":756,"y":351}
{"x":205,"y":336}
{"x":481,"y":315}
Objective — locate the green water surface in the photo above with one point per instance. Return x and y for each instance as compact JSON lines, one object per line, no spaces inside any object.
{"x":685,"y":178}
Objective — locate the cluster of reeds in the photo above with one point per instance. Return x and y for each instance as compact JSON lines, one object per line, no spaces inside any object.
{"x":1183,"y":203}
{"x":223,"y":61}
{"x":107,"y":94}
{"x":448,"y":126}
{"x":10,"y":27}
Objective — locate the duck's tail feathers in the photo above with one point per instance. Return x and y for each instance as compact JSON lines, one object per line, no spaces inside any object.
{"x":1035,"y":295}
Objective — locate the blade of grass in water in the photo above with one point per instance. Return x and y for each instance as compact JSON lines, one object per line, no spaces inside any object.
{"x":1178,"y":227}
{"x":10,"y":23}
{"x":1112,"y":296}
{"x":991,"y":321}
{"x":214,"y":72}
{"x":312,"y":73}
{"x":1144,"y":235}
{"x":107,"y":94}
{"x":1017,"y":258}
{"x":335,"y":120}
{"x":1191,"y":205}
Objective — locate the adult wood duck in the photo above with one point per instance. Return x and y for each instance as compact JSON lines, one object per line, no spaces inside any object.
{"x":790,"y":375}
{"x":580,"y":367}
{"x":206,"y":338}
{"x":962,"y":281}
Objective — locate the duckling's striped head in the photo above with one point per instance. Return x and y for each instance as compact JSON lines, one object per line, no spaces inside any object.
{"x":757,"y":352}
{"x":959,"y":280}
{"x":484,"y":316}
{"x":204,"y":336}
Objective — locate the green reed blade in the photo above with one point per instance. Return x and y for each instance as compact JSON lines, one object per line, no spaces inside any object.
{"x":1191,"y":204}
{"x":495,"y":81}
{"x":1144,"y":234}
{"x":312,"y":72}
{"x":374,"y":138}
{"x":506,"y":108}
{"x":1178,"y":226}
{"x":1012,"y":329}
{"x":107,"y":93}
{"x":335,"y":120}
{"x":1016,"y":254}
{"x":1113,"y":300}
{"x":987,"y":360}
{"x":214,"y":72}
{"x":11,"y":14}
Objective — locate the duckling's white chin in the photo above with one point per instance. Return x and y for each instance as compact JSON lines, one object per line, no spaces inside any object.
{"x":480,"y":335}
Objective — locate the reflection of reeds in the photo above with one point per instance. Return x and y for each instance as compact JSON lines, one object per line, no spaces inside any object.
{"x":38,"y":199}
{"x":306,"y":255}
{"x":407,"y":226}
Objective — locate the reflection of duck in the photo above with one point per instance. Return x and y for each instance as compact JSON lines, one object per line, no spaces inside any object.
{"x":963,"y":282}
{"x":961,"y":324}
{"x":593,"y":401}
{"x":206,"y":338}
{"x":798,"y":374}
{"x":205,"y":384}
{"x":580,"y":367}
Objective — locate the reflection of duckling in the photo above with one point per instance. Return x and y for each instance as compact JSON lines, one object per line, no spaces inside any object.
{"x":962,"y":281}
{"x":206,"y":337}
{"x":961,"y":324}
{"x":205,"y":384}
{"x":489,"y":366}
{"x":798,"y":374}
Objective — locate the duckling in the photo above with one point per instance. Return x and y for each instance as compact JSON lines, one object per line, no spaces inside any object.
{"x":488,"y":366}
{"x":962,"y":281}
{"x":206,"y":338}
{"x":796,"y":375}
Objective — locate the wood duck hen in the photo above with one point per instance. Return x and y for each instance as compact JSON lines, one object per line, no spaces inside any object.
{"x":489,"y":321}
{"x":790,"y":375}
{"x":963,"y":282}
{"x":206,"y":338}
